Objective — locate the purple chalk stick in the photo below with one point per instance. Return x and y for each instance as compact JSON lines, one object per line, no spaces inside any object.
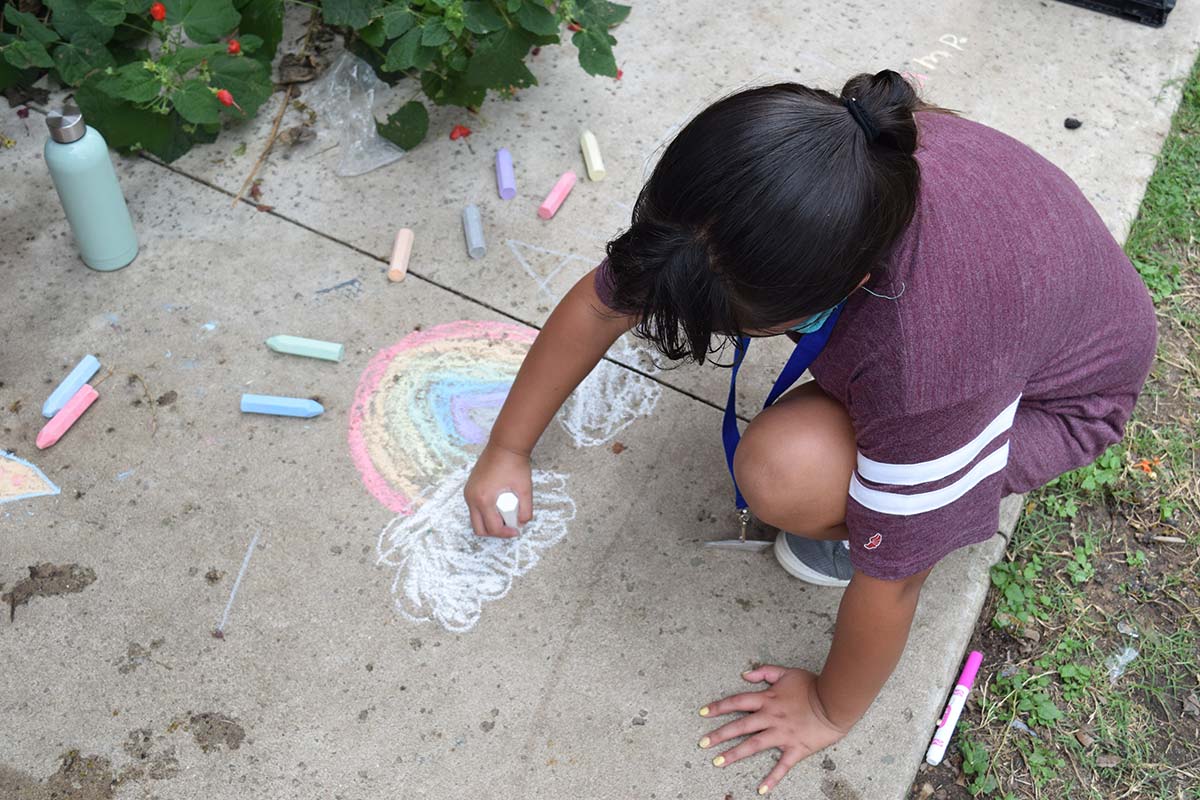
{"x":506,"y":180}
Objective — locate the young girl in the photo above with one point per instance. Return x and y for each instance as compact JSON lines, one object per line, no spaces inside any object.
{"x":985,"y":334}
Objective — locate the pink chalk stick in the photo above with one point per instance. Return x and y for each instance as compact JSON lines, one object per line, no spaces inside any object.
{"x":559,"y":193}
{"x":61,"y":422}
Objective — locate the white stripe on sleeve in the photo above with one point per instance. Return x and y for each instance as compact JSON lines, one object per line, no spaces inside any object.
{"x":938,"y":468}
{"x":908,"y":504}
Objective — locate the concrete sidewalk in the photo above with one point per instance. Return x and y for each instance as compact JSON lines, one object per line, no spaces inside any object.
{"x":368,"y":651}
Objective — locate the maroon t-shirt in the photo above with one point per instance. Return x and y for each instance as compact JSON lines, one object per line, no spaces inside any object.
{"x":1014,"y":351}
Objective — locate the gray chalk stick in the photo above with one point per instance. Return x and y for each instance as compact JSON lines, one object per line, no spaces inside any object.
{"x":473,"y":230}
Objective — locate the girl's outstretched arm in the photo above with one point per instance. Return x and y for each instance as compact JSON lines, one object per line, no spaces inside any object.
{"x":802,"y":712}
{"x":574,"y":339}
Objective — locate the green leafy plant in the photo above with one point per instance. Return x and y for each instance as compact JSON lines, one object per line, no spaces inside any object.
{"x":150,"y":75}
{"x":458,"y":50}
{"x":1080,"y":566}
{"x":1020,"y":601}
{"x":975,"y":765}
{"x":1063,"y":495}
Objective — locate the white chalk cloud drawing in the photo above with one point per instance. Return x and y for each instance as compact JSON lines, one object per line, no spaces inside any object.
{"x":421,"y":416}
{"x":610,"y":398}
{"x":445,"y":573}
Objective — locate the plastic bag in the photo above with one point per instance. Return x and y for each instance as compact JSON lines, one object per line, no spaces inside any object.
{"x":345,"y":97}
{"x":1117,"y":663}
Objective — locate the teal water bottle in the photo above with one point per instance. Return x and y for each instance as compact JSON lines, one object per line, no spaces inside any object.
{"x":83,"y":174}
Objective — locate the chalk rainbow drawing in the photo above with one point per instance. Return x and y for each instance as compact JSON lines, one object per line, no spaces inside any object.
{"x":421,"y":415}
{"x":20,"y":480}
{"x":422,"y":404}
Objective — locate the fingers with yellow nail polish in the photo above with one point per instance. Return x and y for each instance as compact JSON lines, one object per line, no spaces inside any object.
{"x":704,"y":711}
{"x":764,"y":789}
{"x":704,"y":743}
{"x":718,"y":761}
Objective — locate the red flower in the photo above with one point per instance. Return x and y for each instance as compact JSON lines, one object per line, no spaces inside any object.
{"x":460,"y":131}
{"x":620,"y":72}
{"x":234,"y":47}
{"x":158,"y":12}
{"x":225,"y":98}
{"x":574,"y":26}
{"x":1147,"y":465}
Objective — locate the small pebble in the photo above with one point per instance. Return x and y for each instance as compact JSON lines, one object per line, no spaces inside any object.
{"x":1070,"y":123}
{"x":639,"y":721}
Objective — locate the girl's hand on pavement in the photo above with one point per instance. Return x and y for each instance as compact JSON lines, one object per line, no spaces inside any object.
{"x":787,"y":716}
{"x":497,"y":471}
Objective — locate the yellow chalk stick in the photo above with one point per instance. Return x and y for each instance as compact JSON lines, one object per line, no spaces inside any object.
{"x":591,"y":156}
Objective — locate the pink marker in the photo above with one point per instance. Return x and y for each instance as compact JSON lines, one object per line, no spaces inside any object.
{"x":559,"y":193}
{"x":61,"y":422}
{"x":945,"y":726}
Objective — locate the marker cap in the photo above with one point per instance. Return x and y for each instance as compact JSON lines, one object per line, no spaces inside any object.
{"x":971,"y":669}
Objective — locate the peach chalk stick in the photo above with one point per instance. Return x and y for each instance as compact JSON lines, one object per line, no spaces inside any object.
{"x":401,"y":250}
{"x":549,"y":206}
{"x":65,"y":418}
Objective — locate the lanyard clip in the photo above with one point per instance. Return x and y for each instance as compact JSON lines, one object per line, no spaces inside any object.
{"x":743,"y":522}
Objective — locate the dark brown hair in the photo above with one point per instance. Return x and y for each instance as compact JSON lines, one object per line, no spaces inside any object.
{"x":771,"y":205}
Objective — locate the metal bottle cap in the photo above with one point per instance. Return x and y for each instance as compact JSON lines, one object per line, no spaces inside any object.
{"x":66,"y":126}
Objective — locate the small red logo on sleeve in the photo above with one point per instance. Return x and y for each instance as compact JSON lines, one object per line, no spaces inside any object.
{"x":874,"y":542}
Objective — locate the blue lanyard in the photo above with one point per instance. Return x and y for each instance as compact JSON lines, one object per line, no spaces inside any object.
{"x":807,"y":350}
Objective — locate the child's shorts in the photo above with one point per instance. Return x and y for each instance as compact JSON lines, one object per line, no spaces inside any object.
{"x":1050,"y":437}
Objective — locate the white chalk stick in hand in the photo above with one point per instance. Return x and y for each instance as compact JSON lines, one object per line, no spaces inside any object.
{"x":507,"y":504}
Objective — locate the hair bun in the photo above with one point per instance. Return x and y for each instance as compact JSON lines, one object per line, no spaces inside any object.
{"x":889,"y":102}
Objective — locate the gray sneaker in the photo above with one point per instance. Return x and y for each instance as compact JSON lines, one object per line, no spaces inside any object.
{"x":825,"y":563}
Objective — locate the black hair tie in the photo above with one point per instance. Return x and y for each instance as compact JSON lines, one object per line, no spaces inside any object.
{"x":862,"y":118}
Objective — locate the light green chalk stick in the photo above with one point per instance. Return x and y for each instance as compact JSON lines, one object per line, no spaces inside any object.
{"x":312,"y":348}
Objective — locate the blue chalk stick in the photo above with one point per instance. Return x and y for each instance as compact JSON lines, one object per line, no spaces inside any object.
{"x":282,"y":406}
{"x":71,"y":384}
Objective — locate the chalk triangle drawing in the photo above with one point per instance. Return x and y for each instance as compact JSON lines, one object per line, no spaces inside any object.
{"x":541,"y":264}
{"x":20,"y":480}
{"x":445,"y":573}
